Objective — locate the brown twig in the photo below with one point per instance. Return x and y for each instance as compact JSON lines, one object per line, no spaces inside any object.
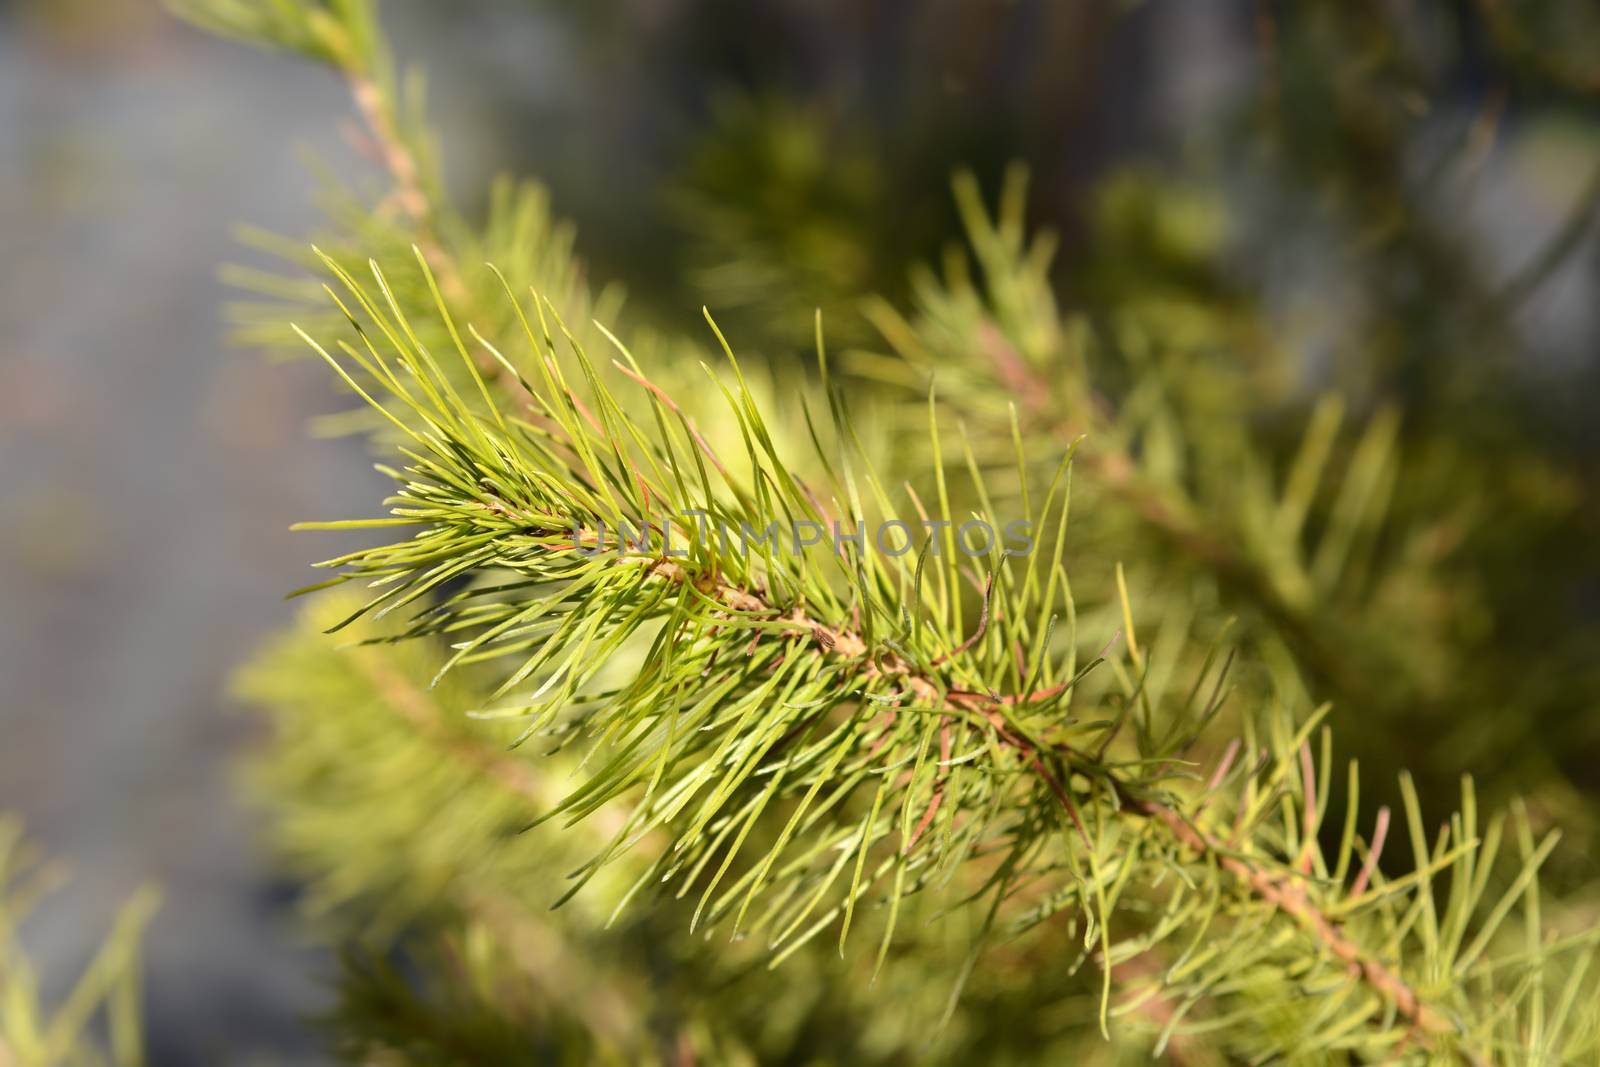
{"x":1286,"y":894}
{"x":409,"y":192}
{"x":415,"y":707}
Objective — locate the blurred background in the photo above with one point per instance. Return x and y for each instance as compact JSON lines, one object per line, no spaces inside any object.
{"x":1402,"y":193}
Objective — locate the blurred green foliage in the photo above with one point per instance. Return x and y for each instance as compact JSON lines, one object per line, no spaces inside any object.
{"x":97,"y":1022}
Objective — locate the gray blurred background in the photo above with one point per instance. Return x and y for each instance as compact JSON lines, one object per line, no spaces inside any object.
{"x":148,"y":473}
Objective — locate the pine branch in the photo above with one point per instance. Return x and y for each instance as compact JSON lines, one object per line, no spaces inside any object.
{"x":768,"y":722}
{"x":757,"y":686}
{"x":406,"y":848}
{"x":1272,"y":887}
{"x":414,"y":211}
{"x":1340,"y":556}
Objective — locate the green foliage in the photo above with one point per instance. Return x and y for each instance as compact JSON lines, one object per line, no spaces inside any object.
{"x":443,"y":900}
{"x":341,"y":32}
{"x":97,"y":1022}
{"x":1048,"y":806}
{"x":813,"y":689}
{"x":773,"y":207}
{"x":1358,"y":564}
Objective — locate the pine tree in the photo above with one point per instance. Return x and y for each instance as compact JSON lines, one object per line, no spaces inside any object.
{"x":824,"y":802}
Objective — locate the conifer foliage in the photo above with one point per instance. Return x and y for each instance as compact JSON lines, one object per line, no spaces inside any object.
{"x":807,"y":791}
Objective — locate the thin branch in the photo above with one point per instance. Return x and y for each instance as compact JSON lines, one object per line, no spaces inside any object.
{"x":415,"y":707}
{"x":1289,"y":897}
{"x":1285,"y":894}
